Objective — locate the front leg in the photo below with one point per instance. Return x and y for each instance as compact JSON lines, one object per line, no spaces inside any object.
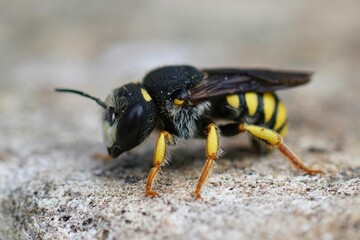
{"x":212,"y":152}
{"x":104,"y":157}
{"x":159,"y":160}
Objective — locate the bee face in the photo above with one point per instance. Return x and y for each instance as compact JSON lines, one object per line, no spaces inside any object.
{"x":128,"y":119}
{"x":110,"y":123}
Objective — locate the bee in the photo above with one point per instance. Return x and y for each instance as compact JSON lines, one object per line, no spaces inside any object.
{"x":184,"y":102}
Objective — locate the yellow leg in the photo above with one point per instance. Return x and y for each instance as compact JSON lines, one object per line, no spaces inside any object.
{"x":212,"y":152}
{"x":274,"y":139}
{"x":104,"y":157}
{"x":159,"y":160}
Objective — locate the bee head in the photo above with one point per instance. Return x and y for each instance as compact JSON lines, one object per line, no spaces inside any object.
{"x":128,"y":117}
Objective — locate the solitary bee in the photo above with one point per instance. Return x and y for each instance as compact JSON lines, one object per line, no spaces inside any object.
{"x":184,"y":102}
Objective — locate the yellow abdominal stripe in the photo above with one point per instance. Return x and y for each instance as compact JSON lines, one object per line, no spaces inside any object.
{"x":269,"y":106}
{"x":252,"y":102}
{"x":145,"y":95}
{"x":284,"y":130}
{"x":280,"y":116}
{"x":233,"y":101}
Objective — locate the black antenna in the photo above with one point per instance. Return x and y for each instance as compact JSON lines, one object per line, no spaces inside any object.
{"x":98,"y":100}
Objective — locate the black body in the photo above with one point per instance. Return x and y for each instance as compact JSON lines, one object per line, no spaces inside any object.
{"x":184,"y":101}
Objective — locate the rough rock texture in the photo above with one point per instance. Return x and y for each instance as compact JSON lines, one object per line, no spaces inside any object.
{"x":51,"y":187}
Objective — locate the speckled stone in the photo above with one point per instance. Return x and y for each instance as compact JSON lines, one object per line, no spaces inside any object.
{"x":51,"y":186}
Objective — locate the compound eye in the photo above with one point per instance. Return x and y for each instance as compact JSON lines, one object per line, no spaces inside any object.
{"x":180,"y":97}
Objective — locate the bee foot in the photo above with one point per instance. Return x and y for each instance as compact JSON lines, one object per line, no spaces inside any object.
{"x":313,"y":172}
{"x":104,"y":157}
{"x":152,"y":194}
{"x":198,"y":196}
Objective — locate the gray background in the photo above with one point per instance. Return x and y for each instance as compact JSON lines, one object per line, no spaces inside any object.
{"x":52,"y":188}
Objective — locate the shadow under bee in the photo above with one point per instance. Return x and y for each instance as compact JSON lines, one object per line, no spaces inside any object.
{"x":136,"y":164}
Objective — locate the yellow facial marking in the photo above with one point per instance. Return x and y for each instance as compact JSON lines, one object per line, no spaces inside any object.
{"x":280,"y":116}
{"x":178,"y":102}
{"x":145,"y":94}
{"x":269,"y":106}
{"x":212,"y":141}
{"x":252,"y":102}
{"x":233,"y":101}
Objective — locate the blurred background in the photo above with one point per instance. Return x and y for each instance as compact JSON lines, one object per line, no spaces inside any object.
{"x":88,"y":42}
{"x":97,"y":46}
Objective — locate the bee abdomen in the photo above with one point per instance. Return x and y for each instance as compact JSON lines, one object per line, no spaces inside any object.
{"x":263,"y":109}
{"x":275,"y":115}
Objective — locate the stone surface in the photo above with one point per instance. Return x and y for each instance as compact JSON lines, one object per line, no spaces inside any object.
{"x":51,"y":186}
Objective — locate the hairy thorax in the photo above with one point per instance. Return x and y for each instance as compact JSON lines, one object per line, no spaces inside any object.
{"x":184,"y":121}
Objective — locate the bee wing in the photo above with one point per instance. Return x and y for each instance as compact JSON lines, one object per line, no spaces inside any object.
{"x":222,"y":82}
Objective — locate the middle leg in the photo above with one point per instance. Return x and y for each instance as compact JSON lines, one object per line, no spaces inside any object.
{"x":212,"y":152}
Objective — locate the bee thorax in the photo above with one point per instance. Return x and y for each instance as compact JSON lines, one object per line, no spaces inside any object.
{"x":185,"y":119}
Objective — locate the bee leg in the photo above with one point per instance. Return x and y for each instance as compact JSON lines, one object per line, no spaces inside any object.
{"x":101,"y":156}
{"x":274,"y":139}
{"x":212,"y":152}
{"x":159,"y":161}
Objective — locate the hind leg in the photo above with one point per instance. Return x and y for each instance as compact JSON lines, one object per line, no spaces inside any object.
{"x":270,"y":137}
